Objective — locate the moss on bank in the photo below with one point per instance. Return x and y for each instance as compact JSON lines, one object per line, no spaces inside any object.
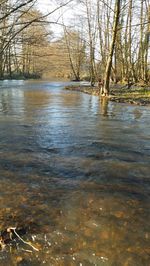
{"x":119,"y":93}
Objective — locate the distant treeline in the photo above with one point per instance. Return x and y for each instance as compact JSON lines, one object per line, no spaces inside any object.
{"x":107,"y":39}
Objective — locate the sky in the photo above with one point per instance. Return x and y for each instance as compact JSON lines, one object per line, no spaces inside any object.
{"x":46,"y":6}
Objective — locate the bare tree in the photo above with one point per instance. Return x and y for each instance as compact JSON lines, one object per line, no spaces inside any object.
{"x":112,"y":46}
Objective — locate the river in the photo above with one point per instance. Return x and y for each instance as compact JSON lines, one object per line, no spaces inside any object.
{"x":75,"y":172}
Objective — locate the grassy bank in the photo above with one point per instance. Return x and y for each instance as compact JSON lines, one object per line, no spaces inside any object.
{"x":135,"y":94}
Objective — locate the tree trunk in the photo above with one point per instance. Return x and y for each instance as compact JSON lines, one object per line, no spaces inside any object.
{"x":112,"y":46}
{"x":91,"y":42}
{"x":146,"y":47}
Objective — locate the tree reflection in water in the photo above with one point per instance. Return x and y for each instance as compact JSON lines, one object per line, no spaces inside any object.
{"x":75,"y":172}
{"x":104,"y":106}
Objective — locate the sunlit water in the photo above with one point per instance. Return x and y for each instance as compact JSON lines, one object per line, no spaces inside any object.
{"x":75,"y":172}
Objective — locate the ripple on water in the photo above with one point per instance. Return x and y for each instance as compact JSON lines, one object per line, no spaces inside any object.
{"x":75,"y":174}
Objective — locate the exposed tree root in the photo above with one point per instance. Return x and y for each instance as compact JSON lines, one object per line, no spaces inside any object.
{"x":8,"y":235}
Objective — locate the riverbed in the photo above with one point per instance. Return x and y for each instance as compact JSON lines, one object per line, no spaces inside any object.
{"x":75,"y":172}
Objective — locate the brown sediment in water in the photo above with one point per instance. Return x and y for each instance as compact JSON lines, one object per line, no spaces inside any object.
{"x":74,"y":179}
{"x":136,"y":95}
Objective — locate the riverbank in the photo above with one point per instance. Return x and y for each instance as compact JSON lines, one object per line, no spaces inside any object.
{"x":135,"y":94}
{"x":21,"y":77}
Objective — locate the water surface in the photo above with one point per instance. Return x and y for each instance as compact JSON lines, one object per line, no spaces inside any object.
{"x":76,"y":173}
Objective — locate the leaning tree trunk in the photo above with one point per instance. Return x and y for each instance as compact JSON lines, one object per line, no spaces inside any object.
{"x":112,"y":46}
{"x":146,"y":47}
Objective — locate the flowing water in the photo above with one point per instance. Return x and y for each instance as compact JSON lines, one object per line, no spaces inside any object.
{"x":75,"y":172}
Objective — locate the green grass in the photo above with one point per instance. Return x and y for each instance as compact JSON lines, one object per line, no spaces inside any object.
{"x":138,"y":93}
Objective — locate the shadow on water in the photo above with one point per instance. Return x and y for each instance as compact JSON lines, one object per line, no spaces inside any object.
{"x":75,"y":174}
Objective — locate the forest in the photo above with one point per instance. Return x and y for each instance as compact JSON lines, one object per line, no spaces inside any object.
{"x":105,"y":39}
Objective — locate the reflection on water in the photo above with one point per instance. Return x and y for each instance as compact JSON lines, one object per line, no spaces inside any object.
{"x":104,"y":106}
{"x":75,"y":173}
